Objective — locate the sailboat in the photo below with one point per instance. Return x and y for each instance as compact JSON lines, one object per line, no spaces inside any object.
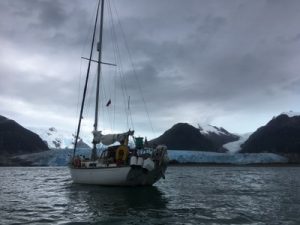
{"x":121,"y":164}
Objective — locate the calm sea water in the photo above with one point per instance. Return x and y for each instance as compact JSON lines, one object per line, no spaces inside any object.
{"x":189,"y":195}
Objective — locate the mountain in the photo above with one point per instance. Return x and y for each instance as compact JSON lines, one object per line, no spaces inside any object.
{"x":58,"y":139}
{"x":218,"y":135}
{"x":186,"y":136}
{"x":15,"y":139}
{"x":280,"y":135}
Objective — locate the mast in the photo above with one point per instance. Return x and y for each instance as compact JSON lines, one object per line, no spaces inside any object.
{"x":99,"y":48}
{"x":86,"y":82}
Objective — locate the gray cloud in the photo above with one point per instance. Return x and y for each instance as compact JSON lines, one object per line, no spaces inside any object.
{"x":195,"y":60}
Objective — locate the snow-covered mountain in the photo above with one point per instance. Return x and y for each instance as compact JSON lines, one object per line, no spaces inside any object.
{"x":15,"y":139}
{"x":280,"y":135}
{"x":236,"y":146}
{"x":207,"y":129}
{"x":218,"y":135}
{"x":203,"y":138}
{"x":59,"y":139}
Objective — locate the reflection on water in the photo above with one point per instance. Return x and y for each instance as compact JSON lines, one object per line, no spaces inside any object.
{"x":189,"y":195}
{"x":115,"y":202}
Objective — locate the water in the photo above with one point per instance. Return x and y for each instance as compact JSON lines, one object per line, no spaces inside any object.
{"x":189,"y":195}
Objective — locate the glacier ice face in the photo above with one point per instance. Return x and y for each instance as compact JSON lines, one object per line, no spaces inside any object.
{"x":62,"y":157}
{"x":213,"y":157}
{"x":54,"y":157}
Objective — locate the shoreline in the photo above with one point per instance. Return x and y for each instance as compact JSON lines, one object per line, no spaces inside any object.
{"x":195,"y":165}
{"x":234,"y":165}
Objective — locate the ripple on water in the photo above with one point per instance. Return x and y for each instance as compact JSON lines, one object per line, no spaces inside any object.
{"x":189,"y":195}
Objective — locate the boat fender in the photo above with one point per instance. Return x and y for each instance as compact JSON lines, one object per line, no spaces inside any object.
{"x":140,"y":161}
{"x":122,"y":153}
{"x":133,"y":161}
{"x":162,"y":149}
{"x":148,"y":164}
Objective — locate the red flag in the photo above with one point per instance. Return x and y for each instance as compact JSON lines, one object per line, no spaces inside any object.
{"x":108,"y":103}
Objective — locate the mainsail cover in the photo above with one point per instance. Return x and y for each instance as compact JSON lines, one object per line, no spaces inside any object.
{"x":109,"y":139}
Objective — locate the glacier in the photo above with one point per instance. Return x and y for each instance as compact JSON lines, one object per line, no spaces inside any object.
{"x":235,"y":146}
{"x":183,"y":156}
{"x":61,"y":157}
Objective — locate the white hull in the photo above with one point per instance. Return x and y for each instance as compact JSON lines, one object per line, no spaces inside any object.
{"x":138,"y":170}
{"x":117,"y":176}
{"x":101,"y":176}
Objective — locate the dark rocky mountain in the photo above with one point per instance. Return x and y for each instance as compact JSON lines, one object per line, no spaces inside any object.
{"x":183,"y":136}
{"x":15,"y":139}
{"x":280,"y":135}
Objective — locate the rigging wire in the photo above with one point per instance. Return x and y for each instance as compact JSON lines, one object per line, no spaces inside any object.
{"x":115,"y":96}
{"x":134,"y":70}
{"x":86,"y":82}
{"x":83,"y":49}
{"x":119,"y":62}
{"x":115,"y":69}
{"x":121,"y":73}
{"x":106,"y":110}
{"x":90,"y":95}
{"x":106,"y":92}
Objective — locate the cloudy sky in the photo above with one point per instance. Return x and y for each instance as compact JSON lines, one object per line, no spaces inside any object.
{"x":232,"y":63}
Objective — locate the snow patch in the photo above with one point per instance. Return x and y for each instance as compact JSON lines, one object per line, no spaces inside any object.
{"x":59,"y":139}
{"x":206,"y":129}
